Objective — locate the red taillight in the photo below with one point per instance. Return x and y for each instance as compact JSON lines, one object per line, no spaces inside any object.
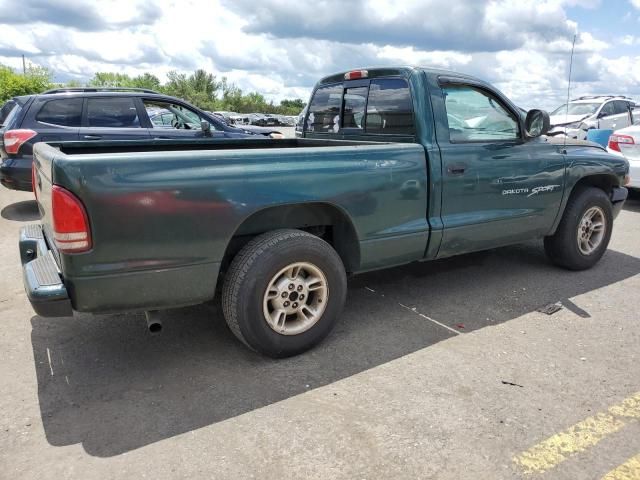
{"x":616,"y":140}
{"x":70,"y":223}
{"x":355,"y":74}
{"x":14,"y":139}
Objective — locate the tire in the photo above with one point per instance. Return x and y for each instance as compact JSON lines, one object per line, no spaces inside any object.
{"x":565,"y":248}
{"x":262,"y":322}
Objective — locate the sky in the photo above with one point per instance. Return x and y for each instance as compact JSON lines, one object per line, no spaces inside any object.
{"x":280,"y":48}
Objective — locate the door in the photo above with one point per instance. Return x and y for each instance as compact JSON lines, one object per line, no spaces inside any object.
{"x":112,"y":118}
{"x":613,"y":115}
{"x":174,"y":120}
{"x":498,"y":188}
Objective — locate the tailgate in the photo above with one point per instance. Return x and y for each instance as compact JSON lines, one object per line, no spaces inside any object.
{"x":43,"y":157}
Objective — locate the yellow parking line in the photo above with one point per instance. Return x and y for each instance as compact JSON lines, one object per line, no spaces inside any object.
{"x":629,"y":470}
{"x":629,"y":407}
{"x":577,"y":438}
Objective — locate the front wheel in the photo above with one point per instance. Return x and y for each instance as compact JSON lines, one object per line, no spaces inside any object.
{"x":284,"y":292}
{"x":584,"y":231}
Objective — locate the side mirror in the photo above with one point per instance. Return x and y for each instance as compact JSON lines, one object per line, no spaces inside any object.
{"x":537,"y":123}
{"x":205,"y":126}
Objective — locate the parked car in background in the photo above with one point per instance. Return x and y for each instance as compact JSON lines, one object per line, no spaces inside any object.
{"x":226,"y":116}
{"x":626,"y":142}
{"x":605,"y":112}
{"x":98,"y":114}
{"x":271,"y":132}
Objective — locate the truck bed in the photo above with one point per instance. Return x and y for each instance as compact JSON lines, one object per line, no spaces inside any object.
{"x":162,"y":212}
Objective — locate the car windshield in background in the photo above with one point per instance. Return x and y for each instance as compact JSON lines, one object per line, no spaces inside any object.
{"x":577,"y":109}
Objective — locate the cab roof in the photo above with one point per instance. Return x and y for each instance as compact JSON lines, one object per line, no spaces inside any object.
{"x":396,"y":71}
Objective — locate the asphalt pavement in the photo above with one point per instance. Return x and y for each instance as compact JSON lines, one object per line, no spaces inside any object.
{"x":441,"y":370}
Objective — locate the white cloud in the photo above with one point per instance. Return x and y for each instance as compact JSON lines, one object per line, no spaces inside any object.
{"x":281,"y":47}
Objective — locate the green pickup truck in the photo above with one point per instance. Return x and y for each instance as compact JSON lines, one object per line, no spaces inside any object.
{"x":394,"y":165}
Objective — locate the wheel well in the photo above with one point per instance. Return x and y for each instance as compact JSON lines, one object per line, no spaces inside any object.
{"x":323,"y":220}
{"x":603,"y":182}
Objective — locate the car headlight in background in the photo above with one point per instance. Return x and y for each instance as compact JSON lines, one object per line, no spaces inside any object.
{"x":277,"y":135}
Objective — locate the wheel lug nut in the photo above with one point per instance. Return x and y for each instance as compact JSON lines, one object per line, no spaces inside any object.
{"x":299,"y":288}
{"x":291,"y":286}
{"x":301,"y":297}
{"x":286,"y":304}
{"x":284,"y":295}
{"x":295,"y":305}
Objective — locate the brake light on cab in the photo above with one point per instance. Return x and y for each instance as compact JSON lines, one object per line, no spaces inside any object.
{"x":616,"y":140}
{"x":356,"y":74}
{"x":14,"y":139}
{"x":71,"y":232}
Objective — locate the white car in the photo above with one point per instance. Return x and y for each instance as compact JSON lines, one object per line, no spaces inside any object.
{"x":584,"y":113}
{"x":626,"y":142}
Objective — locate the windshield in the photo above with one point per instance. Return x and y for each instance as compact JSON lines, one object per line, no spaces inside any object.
{"x":577,"y":109}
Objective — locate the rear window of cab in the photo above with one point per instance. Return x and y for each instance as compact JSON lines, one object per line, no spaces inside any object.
{"x":383,"y":106}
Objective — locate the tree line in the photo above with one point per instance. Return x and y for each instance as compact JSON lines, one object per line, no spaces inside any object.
{"x":200,"y":88}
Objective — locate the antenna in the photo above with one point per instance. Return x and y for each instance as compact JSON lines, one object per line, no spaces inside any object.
{"x":573,"y":46}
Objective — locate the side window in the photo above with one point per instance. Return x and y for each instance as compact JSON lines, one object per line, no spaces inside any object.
{"x":324,"y":110}
{"x":476,"y":116}
{"x":607,"y":110}
{"x":353,"y":107}
{"x":172,"y":115}
{"x":112,"y":112}
{"x":389,"y":109}
{"x":66,"y":112}
{"x":620,"y":106}
{"x":15,"y":111}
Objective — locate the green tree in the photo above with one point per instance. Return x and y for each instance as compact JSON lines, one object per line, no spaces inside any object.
{"x":146,"y":80}
{"x":111,"y":79}
{"x":35,"y":80}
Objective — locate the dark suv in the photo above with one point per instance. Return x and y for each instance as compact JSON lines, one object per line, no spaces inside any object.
{"x":87,"y":114}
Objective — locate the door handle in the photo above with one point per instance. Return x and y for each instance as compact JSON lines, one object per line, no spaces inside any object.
{"x":456,"y":169}
{"x":92,"y":137}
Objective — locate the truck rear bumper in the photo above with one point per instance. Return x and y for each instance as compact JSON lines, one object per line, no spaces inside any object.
{"x":42,"y":281}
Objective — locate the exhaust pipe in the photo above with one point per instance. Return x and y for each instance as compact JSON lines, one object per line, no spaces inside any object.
{"x":154,"y":324}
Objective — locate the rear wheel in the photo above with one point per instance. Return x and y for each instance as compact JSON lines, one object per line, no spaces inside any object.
{"x":284,"y":292}
{"x":584,"y":231}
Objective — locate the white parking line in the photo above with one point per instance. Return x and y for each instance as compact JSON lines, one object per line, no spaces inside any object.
{"x":49,"y":357}
{"x":429,"y":318}
{"x":414,"y":310}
